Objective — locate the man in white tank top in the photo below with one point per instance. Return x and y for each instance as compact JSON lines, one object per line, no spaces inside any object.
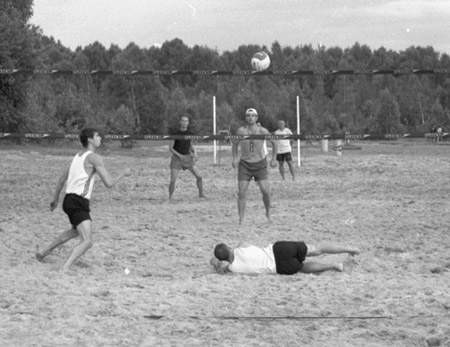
{"x":284,"y":149}
{"x":252,"y":162}
{"x":283,"y":257}
{"x":79,"y":180}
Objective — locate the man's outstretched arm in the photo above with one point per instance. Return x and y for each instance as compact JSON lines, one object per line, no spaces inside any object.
{"x":106,"y":178}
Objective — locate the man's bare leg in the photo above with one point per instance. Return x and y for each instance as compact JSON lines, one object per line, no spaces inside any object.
{"x":242,"y":198}
{"x":199,"y":182}
{"x":265,"y":190}
{"x":200,"y":187}
{"x":291,"y":169}
{"x":314,"y":267}
{"x":61,"y":239}
{"x":84,"y":230}
{"x":173,"y":180}
{"x":330,"y":249}
{"x":281,"y":169}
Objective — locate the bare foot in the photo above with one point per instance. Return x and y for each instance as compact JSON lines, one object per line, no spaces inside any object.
{"x":64,"y":270}
{"x":339,"y":267}
{"x":39,"y":256}
{"x":353,"y":251}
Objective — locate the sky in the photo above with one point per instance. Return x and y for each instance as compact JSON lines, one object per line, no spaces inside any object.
{"x":226,"y":24}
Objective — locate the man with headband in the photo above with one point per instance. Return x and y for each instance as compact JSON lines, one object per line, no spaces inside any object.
{"x":251,"y":162}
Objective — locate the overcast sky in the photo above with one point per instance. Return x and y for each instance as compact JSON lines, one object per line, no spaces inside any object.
{"x":226,"y":24}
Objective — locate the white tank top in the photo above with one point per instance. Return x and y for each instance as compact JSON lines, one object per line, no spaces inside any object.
{"x":253,"y":259}
{"x":284,"y":146}
{"x":79,"y":182}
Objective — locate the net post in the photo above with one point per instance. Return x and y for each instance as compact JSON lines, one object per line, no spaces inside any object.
{"x":214,"y":130}
{"x":298,"y":131}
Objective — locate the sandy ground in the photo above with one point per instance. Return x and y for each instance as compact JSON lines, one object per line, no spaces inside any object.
{"x":389,"y":199}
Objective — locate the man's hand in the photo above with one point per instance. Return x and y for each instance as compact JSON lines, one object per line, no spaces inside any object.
{"x":187,"y":160}
{"x":221,"y":267}
{"x":235,"y":163}
{"x":53,"y":205}
{"x":273,"y":162}
{"x":127,"y":172}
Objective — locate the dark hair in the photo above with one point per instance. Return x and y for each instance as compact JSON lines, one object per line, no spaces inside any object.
{"x":85,"y":134}
{"x":221,"y":251}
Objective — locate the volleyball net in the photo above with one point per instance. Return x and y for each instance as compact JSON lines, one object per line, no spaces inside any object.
{"x":223,"y":137}
{"x":206,"y":73}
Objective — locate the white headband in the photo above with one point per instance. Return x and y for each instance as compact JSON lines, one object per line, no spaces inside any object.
{"x":251,"y":110}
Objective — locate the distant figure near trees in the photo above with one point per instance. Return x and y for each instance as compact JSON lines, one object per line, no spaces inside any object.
{"x":439,"y":133}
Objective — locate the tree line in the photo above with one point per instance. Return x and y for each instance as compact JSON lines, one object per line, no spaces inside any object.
{"x":152,"y":104}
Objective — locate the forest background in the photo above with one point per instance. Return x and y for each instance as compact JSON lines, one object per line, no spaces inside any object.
{"x":117,"y":104}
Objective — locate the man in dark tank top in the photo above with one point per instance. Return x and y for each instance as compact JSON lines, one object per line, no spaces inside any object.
{"x":183,"y":157}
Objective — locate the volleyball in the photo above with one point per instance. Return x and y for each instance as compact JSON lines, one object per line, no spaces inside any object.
{"x":260,"y":61}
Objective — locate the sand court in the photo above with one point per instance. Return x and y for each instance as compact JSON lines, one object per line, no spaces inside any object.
{"x":389,"y":199}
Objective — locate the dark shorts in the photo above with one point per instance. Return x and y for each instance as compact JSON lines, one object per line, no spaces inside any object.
{"x":77,"y":208}
{"x":284,"y":156}
{"x":258,"y":170}
{"x":289,"y":256}
{"x":177,"y":164}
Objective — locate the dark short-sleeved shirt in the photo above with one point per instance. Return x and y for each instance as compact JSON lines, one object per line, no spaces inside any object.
{"x":182,"y":146}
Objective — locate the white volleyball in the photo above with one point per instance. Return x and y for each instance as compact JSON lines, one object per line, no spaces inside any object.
{"x":260,"y":61}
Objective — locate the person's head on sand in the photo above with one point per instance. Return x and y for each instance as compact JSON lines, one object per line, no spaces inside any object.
{"x":90,"y":138}
{"x":222,"y":251}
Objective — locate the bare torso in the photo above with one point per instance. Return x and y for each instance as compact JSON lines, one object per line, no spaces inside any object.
{"x":252,"y":151}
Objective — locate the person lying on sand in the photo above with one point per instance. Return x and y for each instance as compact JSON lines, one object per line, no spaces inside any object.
{"x":283,"y":257}
{"x":79,"y":181}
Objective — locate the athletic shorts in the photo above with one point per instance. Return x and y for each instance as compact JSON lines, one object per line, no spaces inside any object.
{"x":258,"y":170}
{"x":178,"y":164}
{"x":284,"y":156}
{"x":289,"y":256}
{"x":77,"y":209}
